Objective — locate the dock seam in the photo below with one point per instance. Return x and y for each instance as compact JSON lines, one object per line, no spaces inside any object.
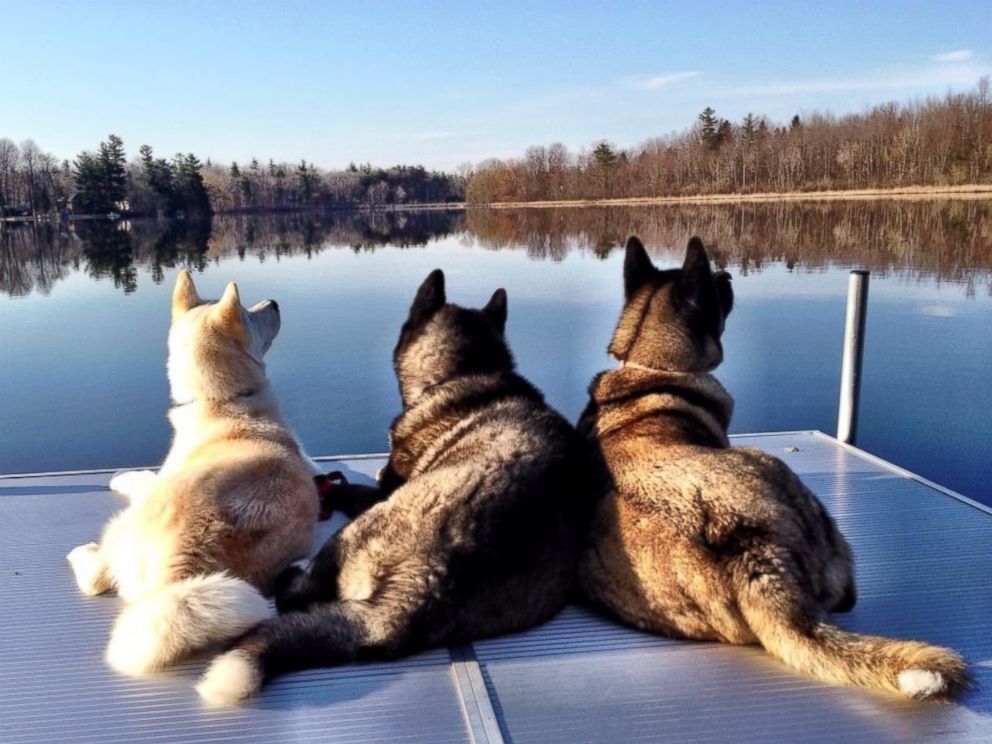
{"x":480,"y":713}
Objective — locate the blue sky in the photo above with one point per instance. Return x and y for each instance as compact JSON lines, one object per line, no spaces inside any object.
{"x":447,"y":82}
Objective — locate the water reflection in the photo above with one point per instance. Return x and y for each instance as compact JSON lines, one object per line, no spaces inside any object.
{"x":34,"y":257}
{"x":945,"y":240}
{"x":950,"y":241}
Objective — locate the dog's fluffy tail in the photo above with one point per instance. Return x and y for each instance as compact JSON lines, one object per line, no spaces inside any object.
{"x":163,"y":627}
{"x":829,"y":653}
{"x":325,"y":635}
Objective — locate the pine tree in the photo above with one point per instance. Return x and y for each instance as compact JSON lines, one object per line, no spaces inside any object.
{"x":605,"y":158}
{"x":161,"y":177}
{"x":708,"y":125}
{"x":87,"y":174}
{"x":604,"y":155}
{"x":749,"y":128}
{"x":189,"y":183}
{"x":114,"y":181}
{"x":306,"y":178}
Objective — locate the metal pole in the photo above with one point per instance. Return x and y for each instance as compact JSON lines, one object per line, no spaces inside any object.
{"x":854,"y":346}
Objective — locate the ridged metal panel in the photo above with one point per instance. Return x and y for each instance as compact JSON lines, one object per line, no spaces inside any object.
{"x":924,"y":564}
{"x":54,"y":685}
{"x":924,"y":567}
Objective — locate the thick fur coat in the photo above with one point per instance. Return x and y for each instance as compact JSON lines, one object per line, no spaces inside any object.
{"x":233,"y":504}
{"x":699,"y":540}
{"x":474,"y":531}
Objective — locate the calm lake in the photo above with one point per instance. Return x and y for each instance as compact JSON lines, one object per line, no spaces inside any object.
{"x":84,"y":313}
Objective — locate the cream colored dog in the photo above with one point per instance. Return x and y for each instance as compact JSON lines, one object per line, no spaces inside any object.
{"x":233,"y":504}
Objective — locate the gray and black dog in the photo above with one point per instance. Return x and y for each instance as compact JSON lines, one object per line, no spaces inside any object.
{"x":474,"y":530}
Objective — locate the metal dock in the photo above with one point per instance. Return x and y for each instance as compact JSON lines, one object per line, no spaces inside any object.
{"x":924,"y":568}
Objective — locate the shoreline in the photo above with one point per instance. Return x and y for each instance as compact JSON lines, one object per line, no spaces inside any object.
{"x":917,"y":193}
{"x":972,"y":192}
{"x":368,"y":208}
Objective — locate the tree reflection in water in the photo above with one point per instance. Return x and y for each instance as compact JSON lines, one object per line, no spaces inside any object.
{"x":943,"y":240}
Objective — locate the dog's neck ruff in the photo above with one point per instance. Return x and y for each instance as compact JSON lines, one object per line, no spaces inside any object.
{"x":240,"y":395}
{"x":624,"y":364}
{"x":698,"y":391}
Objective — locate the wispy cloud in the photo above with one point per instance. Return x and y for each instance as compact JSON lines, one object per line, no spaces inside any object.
{"x":957,"y":55}
{"x":656,"y":82}
{"x":429,"y":136}
{"x":591,"y":94}
{"x":927,"y":77}
{"x":442,"y":135}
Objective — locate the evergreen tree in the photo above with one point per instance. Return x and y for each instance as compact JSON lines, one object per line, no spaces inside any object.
{"x":604,"y":155}
{"x":724,"y":132}
{"x":87,"y":173}
{"x":749,"y":128}
{"x":605,"y":158}
{"x":708,"y":124}
{"x":113,"y":162}
{"x":713,"y":131}
{"x":306,"y":178}
{"x":159,"y":175}
{"x":189,"y":184}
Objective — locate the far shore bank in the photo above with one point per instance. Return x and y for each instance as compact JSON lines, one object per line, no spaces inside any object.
{"x":276,"y":212}
{"x":970,"y":191}
{"x":908,"y":193}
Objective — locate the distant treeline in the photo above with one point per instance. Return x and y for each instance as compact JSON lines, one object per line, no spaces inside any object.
{"x":934,"y":142}
{"x":943,"y":141}
{"x":103,"y":181}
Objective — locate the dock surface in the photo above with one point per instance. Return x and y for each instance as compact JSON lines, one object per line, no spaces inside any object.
{"x":924,"y":570}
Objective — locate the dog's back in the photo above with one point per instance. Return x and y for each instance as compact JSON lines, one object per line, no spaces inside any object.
{"x":499,"y":502}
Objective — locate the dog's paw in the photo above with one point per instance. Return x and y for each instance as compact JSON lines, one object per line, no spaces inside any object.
{"x":133,"y":483}
{"x":88,"y":568}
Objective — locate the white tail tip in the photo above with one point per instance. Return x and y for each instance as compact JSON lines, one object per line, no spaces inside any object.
{"x":920,"y":683}
{"x":141,"y":638}
{"x":229,"y":679}
{"x":196,"y":613}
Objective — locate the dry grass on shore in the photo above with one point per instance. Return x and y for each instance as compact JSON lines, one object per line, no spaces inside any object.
{"x":971,"y":191}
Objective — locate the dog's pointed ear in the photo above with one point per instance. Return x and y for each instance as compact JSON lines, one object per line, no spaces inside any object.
{"x":724,"y":291}
{"x":495,"y":309}
{"x":430,"y":298}
{"x":697,"y":277}
{"x":228,"y":310}
{"x":637,"y":267}
{"x":184,"y":296}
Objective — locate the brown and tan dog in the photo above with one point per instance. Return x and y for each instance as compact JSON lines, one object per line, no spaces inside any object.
{"x":233,"y":504}
{"x":699,"y":540}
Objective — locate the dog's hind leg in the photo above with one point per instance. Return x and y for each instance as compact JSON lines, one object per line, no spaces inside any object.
{"x":90,"y":569}
{"x":135,"y":484}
